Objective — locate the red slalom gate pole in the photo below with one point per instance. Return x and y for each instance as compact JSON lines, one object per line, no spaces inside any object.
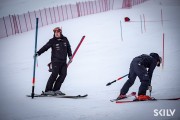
{"x":163,"y":52}
{"x":116,"y":80}
{"x":144,"y":23}
{"x":121,"y":31}
{"x":141,"y":24}
{"x":76,"y":50}
{"x":162,"y":17}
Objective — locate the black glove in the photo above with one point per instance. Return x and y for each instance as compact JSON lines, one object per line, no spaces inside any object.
{"x":70,"y":59}
{"x":50,"y":67}
{"x":35,"y":55}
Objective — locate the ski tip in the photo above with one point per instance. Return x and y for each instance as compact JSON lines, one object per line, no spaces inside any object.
{"x":81,"y":95}
{"x":85,"y":95}
{"x":112,"y":100}
{"x":28,"y":95}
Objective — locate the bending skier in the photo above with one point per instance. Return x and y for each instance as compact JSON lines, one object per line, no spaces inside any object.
{"x":60,"y":49}
{"x":138,"y":67}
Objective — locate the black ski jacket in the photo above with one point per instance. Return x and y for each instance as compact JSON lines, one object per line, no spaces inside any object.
{"x":60,"y":49}
{"x":148,"y":62}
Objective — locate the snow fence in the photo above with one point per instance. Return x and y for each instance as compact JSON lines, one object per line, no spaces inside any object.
{"x":15,"y":24}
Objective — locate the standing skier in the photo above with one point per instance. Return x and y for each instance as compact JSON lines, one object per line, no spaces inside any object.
{"x":138,"y":67}
{"x":60,"y":49}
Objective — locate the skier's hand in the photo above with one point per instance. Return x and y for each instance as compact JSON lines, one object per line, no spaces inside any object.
{"x":50,"y":67}
{"x":70,"y":59}
{"x":150,"y":88}
{"x":35,"y":55}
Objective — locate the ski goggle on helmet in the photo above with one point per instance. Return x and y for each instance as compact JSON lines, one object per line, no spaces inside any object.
{"x":159,"y":61}
{"x":57,"y":29}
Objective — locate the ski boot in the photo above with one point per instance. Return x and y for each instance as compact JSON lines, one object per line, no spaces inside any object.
{"x":58,"y":92}
{"x":144,"y":98}
{"x":50,"y":93}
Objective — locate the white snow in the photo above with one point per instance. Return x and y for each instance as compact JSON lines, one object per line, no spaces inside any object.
{"x":102,"y":58}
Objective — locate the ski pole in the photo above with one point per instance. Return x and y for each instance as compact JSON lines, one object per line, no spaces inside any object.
{"x":116,"y":80}
{"x":74,"y":53}
{"x":34,"y":69}
{"x":150,"y":90}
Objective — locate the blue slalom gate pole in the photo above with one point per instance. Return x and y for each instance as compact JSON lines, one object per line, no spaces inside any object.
{"x":34,"y":69}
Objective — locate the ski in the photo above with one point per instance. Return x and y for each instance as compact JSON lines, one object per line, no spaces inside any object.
{"x":41,"y":95}
{"x":168,"y":99}
{"x":59,"y":96}
{"x":129,"y":95}
{"x":129,"y":101}
{"x":77,"y":96}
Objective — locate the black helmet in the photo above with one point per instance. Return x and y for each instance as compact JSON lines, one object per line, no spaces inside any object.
{"x":157,"y":57}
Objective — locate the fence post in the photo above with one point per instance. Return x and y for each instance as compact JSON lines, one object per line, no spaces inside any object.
{"x":11,"y":24}
{"x":91,"y":5}
{"x":77,"y":6}
{"x":41,"y":17}
{"x":100,"y":6}
{"x":5,"y":26}
{"x":87,"y":8}
{"x":30,"y":19}
{"x":83,"y":8}
{"x":46,"y":16}
{"x":113,"y":5}
{"x":54,"y":15}
{"x":71,"y":11}
{"x":13,"y":21}
{"x":50,"y":15}
{"x":96,"y":6}
{"x":58,"y":13}
{"x":19,"y":24}
{"x":66,"y":12}
{"x":25,"y":22}
{"x":15,"y":24}
{"x":62,"y":12}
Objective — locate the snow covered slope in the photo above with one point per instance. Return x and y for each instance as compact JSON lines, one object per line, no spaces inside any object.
{"x":103,"y":57}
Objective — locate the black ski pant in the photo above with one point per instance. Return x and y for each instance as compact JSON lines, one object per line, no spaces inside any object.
{"x":141,"y":72}
{"x":59,"y":72}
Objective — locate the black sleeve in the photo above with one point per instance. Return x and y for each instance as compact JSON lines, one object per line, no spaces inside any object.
{"x":45,"y":47}
{"x":151,"y":69}
{"x":69,"y":49}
